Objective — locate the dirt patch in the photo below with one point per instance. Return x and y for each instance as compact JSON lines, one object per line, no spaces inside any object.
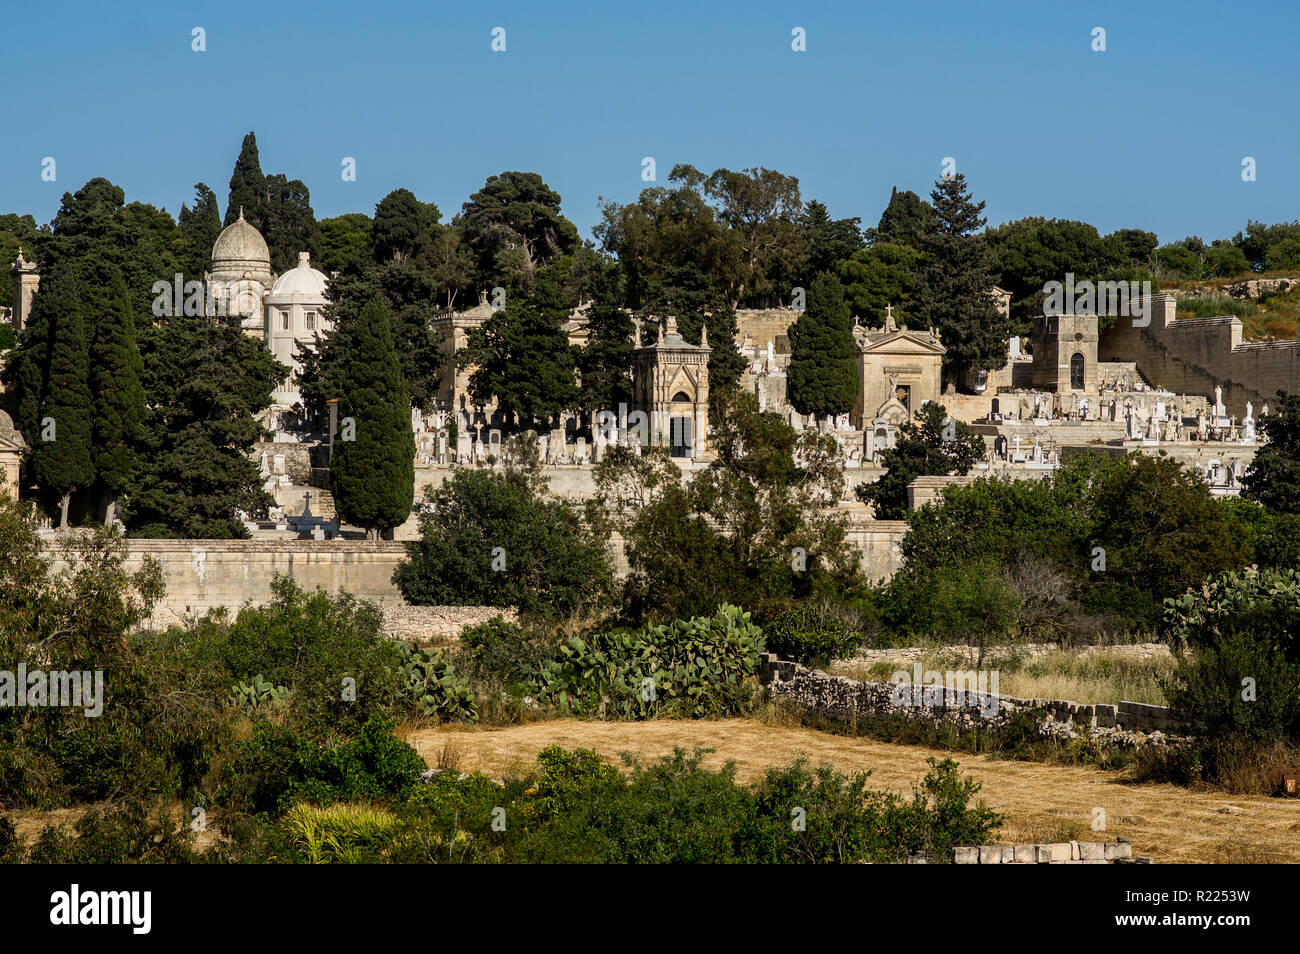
{"x":1041,"y":802}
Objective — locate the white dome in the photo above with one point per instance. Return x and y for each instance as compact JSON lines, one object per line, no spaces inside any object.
{"x":303,"y":280}
{"x":240,"y":242}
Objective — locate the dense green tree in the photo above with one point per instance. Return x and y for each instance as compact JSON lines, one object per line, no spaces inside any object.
{"x":1029,"y":253}
{"x":881,"y":275}
{"x":1283,"y":256}
{"x":748,"y":530}
{"x":605,"y":362}
{"x":289,"y":224}
{"x":826,"y":241}
{"x":199,"y":228}
{"x":61,"y":457}
{"x":115,"y":372}
{"x":907,"y":220}
{"x":204,"y":382}
{"x":450,"y":264}
{"x":410,"y":295}
{"x":1273,"y":478}
{"x":1091,"y":526}
{"x":934,"y":444}
{"x":1130,"y":249}
{"x":398,"y":226}
{"x":675,"y":257}
{"x":345,"y":242}
{"x":1177,"y":261}
{"x":522,"y":357}
{"x":513,"y":226}
{"x":247,"y":186}
{"x":489,"y":540}
{"x":955,"y":279}
{"x":1258,"y":238}
{"x":1224,"y":260}
{"x":372,"y":474}
{"x":762,"y":209}
{"x":823,"y":373}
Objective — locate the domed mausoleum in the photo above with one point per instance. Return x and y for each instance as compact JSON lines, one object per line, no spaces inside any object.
{"x":241,"y":271}
{"x":294,"y":316}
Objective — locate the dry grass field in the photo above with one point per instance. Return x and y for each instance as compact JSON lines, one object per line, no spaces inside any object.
{"x":1041,"y":802}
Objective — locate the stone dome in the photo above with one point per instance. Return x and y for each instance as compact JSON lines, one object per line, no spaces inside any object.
{"x":303,"y":280}
{"x":241,"y":242}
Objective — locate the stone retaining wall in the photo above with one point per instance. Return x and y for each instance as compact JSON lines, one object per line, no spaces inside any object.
{"x":438,"y":625}
{"x":845,"y":700}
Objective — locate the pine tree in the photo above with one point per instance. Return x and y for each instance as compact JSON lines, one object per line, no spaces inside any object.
{"x":823,"y":373}
{"x":61,"y":450}
{"x":247,"y":186}
{"x":200,"y":227}
{"x":372,"y":474}
{"x":115,"y":371}
{"x":956,"y":276}
{"x":606,"y":359}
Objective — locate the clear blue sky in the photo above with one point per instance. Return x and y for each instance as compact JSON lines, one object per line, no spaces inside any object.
{"x":1149,"y":134}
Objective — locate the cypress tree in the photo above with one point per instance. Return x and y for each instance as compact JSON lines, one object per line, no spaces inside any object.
{"x":200,"y":227}
{"x":115,"y":372}
{"x":61,"y":450}
{"x":823,"y":373}
{"x":247,"y":186}
{"x":372,"y":475}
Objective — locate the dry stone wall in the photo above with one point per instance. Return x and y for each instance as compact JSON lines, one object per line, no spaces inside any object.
{"x":844,"y":700}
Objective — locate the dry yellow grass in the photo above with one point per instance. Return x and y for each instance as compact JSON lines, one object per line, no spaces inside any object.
{"x":1171,"y":824}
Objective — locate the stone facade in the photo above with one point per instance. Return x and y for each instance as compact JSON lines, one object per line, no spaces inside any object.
{"x":671,"y":385}
{"x":898,"y":371}
{"x":1065,"y":353}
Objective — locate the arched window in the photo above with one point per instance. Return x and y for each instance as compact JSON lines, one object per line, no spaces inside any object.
{"x":1076,"y":371}
{"x":682,"y":397}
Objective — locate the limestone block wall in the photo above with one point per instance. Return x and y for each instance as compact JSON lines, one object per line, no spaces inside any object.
{"x":763,"y":324}
{"x":203,"y":574}
{"x":1192,"y":355}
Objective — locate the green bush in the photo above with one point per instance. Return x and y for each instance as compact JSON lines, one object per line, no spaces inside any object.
{"x":277,"y":767}
{"x":490,"y":540}
{"x":697,"y":667}
{"x":328,"y":651}
{"x":812,"y":633}
{"x":504,"y":653}
{"x":1241,"y":686}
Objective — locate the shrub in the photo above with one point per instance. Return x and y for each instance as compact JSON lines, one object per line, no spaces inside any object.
{"x":277,"y":767}
{"x":813,"y":633}
{"x":553,"y":564}
{"x":342,"y":833}
{"x":1241,"y":687}
{"x":504,"y":653}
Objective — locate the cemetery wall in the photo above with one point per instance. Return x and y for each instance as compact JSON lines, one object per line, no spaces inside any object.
{"x":203,"y":574}
{"x":1192,"y":355}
